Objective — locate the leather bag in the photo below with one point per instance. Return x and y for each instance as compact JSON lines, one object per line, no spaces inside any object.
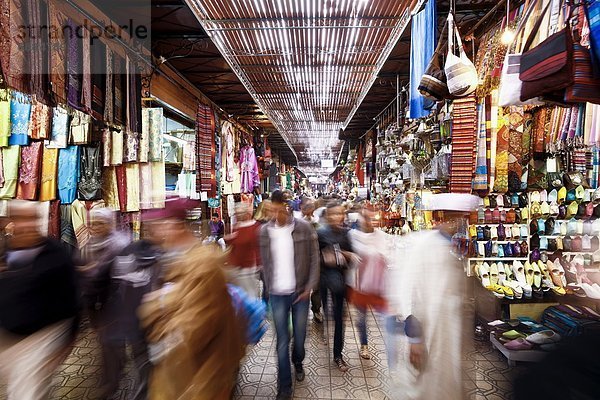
{"x":547,"y":69}
{"x":433,"y":85}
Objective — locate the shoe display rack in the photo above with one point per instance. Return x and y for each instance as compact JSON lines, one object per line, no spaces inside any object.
{"x":499,"y":231}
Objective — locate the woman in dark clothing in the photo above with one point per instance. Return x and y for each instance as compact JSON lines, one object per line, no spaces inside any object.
{"x":336,"y":256}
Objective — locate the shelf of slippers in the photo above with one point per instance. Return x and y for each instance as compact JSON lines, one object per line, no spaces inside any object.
{"x":508,"y":211}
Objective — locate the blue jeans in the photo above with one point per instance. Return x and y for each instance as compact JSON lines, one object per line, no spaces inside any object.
{"x":361,"y":325}
{"x":281,"y":307}
{"x":333,"y":280}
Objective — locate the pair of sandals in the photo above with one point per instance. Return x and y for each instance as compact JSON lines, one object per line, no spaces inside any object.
{"x":504,"y":280}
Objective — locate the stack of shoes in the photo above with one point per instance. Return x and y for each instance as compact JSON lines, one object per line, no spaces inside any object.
{"x":490,"y":279}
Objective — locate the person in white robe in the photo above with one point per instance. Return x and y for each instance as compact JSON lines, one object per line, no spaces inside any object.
{"x":427,"y":282}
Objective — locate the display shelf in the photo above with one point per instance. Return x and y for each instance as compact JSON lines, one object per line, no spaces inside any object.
{"x":512,"y":356}
{"x":503,"y":241}
{"x":499,"y":259}
{"x":503,"y":223}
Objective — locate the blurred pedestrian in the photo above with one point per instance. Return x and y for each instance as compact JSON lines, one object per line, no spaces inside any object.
{"x":366,"y":280}
{"x":196,"y":342}
{"x":307,"y":208}
{"x":426,"y":283}
{"x":336,"y":257}
{"x":244,"y":255}
{"x":38,"y":305}
{"x":99,"y":293}
{"x":290,"y":256}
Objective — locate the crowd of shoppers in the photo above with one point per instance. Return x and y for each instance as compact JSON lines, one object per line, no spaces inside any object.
{"x":168,"y":297}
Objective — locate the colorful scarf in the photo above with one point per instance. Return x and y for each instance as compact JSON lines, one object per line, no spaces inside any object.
{"x":5,"y":97}
{"x":480,"y":181}
{"x":57,"y":55}
{"x":20,"y":113}
{"x":68,"y":173}
{"x":74,"y":61}
{"x":86,"y":72}
{"x":29,"y":172}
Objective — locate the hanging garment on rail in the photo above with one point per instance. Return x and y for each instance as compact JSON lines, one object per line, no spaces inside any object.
{"x":423,"y":36}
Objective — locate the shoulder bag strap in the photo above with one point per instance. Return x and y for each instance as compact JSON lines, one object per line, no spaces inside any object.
{"x":535,"y":28}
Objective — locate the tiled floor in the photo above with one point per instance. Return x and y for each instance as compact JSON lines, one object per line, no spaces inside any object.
{"x":487,"y":377}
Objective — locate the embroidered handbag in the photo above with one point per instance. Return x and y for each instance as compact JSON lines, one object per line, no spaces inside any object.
{"x":460,"y":72}
{"x":547,"y":68}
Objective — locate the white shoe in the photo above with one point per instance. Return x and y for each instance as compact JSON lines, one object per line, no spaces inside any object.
{"x":590,"y":291}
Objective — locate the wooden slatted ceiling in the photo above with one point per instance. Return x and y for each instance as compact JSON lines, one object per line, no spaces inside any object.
{"x":307,"y":63}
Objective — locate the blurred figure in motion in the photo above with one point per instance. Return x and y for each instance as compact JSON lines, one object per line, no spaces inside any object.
{"x":571,"y":372}
{"x":263,"y":212}
{"x":427,"y":283}
{"x":244,"y":254}
{"x":366,"y":281}
{"x":100,"y":294}
{"x":38,"y":305}
{"x":118,"y":284}
{"x":196,"y":342}
{"x":307,"y":207}
{"x":336,"y":257}
{"x":290,"y":256}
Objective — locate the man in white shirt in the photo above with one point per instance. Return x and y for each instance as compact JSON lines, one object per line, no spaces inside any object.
{"x":290,"y":255}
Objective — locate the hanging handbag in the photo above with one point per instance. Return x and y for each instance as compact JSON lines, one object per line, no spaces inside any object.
{"x":547,"y":68}
{"x":460,"y":71}
{"x":585,"y":87}
{"x":433,"y":85}
{"x":510,"y":84}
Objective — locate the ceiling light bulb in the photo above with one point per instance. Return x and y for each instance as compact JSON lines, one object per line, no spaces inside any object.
{"x":507,"y":37}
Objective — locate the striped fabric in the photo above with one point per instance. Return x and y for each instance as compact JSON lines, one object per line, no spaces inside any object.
{"x":585,"y":87}
{"x":463,"y":144}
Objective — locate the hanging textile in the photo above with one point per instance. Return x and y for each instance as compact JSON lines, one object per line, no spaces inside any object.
{"x":68,"y":173}
{"x":39,"y":125}
{"x":144,"y":155}
{"x":132,"y":171}
{"x":16,"y":71}
{"x":121,"y":175}
{"x":249,"y":170}
{"x":116,"y":147}
{"x":502,"y":159}
{"x":153,"y":121}
{"x":4,"y":116}
{"x":74,"y":61}
{"x":58,"y":55}
{"x":54,"y":220}
{"x":86,"y":71}
{"x":98,"y":80}
{"x":464,"y":128}
{"x":11,"y":159}
{"x":158,"y":184}
{"x":228,"y":149}
{"x":90,"y":182}
{"x":106,"y":147}
{"x":5,"y":38}
{"x":49,"y":174}
{"x":35,"y":51}
{"x":110,"y":188}
{"x":29,"y":172}
{"x":80,"y":128}
{"x":132,"y":130}
{"x":60,"y":128}
{"x":146,"y":188}
{"x":592,"y":124}
{"x":119,"y":89}
{"x":423,"y":42}
{"x":109,"y":92}
{"x":480,"y":181}
{"x":20,"y":113}
{"x":205,"y":130}
{"x":515,"y":142}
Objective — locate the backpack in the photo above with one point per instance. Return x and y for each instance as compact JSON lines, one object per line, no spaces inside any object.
{"x":252,"y":311}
